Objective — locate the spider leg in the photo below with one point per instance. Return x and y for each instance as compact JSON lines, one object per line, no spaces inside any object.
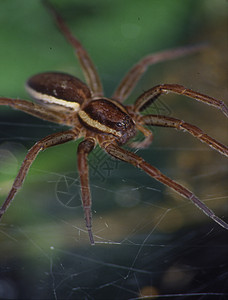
{"x":48,"y":141}
{"x":137,"y":161}
{"x":84,"y":148}
{"x":35,"y":110}
{"x":143,"y":101}
{"x":135,"y":73}
{"x":164,"y":121}
{"x":89,"y":70}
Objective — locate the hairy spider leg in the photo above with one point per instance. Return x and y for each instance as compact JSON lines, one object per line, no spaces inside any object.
{"x":89,"y":70}
{"x":132,"y":77}
{"x":144,"y":100}
{"x":47,"y":142}
{"x":35,"y":109}
{"x":159,"y":120}
{"x":138,"y":162}
{"x":84,"y":148}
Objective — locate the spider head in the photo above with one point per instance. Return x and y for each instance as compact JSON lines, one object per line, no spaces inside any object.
{"x":109,"y":117}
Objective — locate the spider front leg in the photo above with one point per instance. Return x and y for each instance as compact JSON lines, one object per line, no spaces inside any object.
{"x":152,"y":94}
{"x":183,"y":126}
{"x":137,"y":161}
{"x":49,"y":141}
{"x":84,"y":148}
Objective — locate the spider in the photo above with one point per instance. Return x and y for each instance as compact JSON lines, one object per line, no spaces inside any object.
{"x":65,"y":99}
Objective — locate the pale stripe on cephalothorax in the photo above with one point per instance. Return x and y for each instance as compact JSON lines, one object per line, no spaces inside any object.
{"x":96,"y":124}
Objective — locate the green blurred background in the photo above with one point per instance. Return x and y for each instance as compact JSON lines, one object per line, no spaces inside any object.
{"x":141,"y":228}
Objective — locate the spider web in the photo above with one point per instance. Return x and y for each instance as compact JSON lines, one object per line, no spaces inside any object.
{"x":150,"y":243}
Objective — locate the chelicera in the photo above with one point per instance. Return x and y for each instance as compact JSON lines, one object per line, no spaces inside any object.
{"x":64,"y":99}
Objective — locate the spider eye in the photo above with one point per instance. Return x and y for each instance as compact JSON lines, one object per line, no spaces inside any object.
{"x":119,"y":124}
{"x":123,"y":123}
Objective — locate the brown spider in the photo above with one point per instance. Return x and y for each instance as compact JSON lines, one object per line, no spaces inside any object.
{"x":64,"y":99}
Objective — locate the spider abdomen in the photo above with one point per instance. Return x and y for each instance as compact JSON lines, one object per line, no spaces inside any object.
{"x":107,"y":116}
{"x":58,"y":89}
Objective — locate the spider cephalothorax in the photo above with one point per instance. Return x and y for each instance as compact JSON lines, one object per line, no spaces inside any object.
{"x":64,"y":99}
{"x":108,"y":117}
